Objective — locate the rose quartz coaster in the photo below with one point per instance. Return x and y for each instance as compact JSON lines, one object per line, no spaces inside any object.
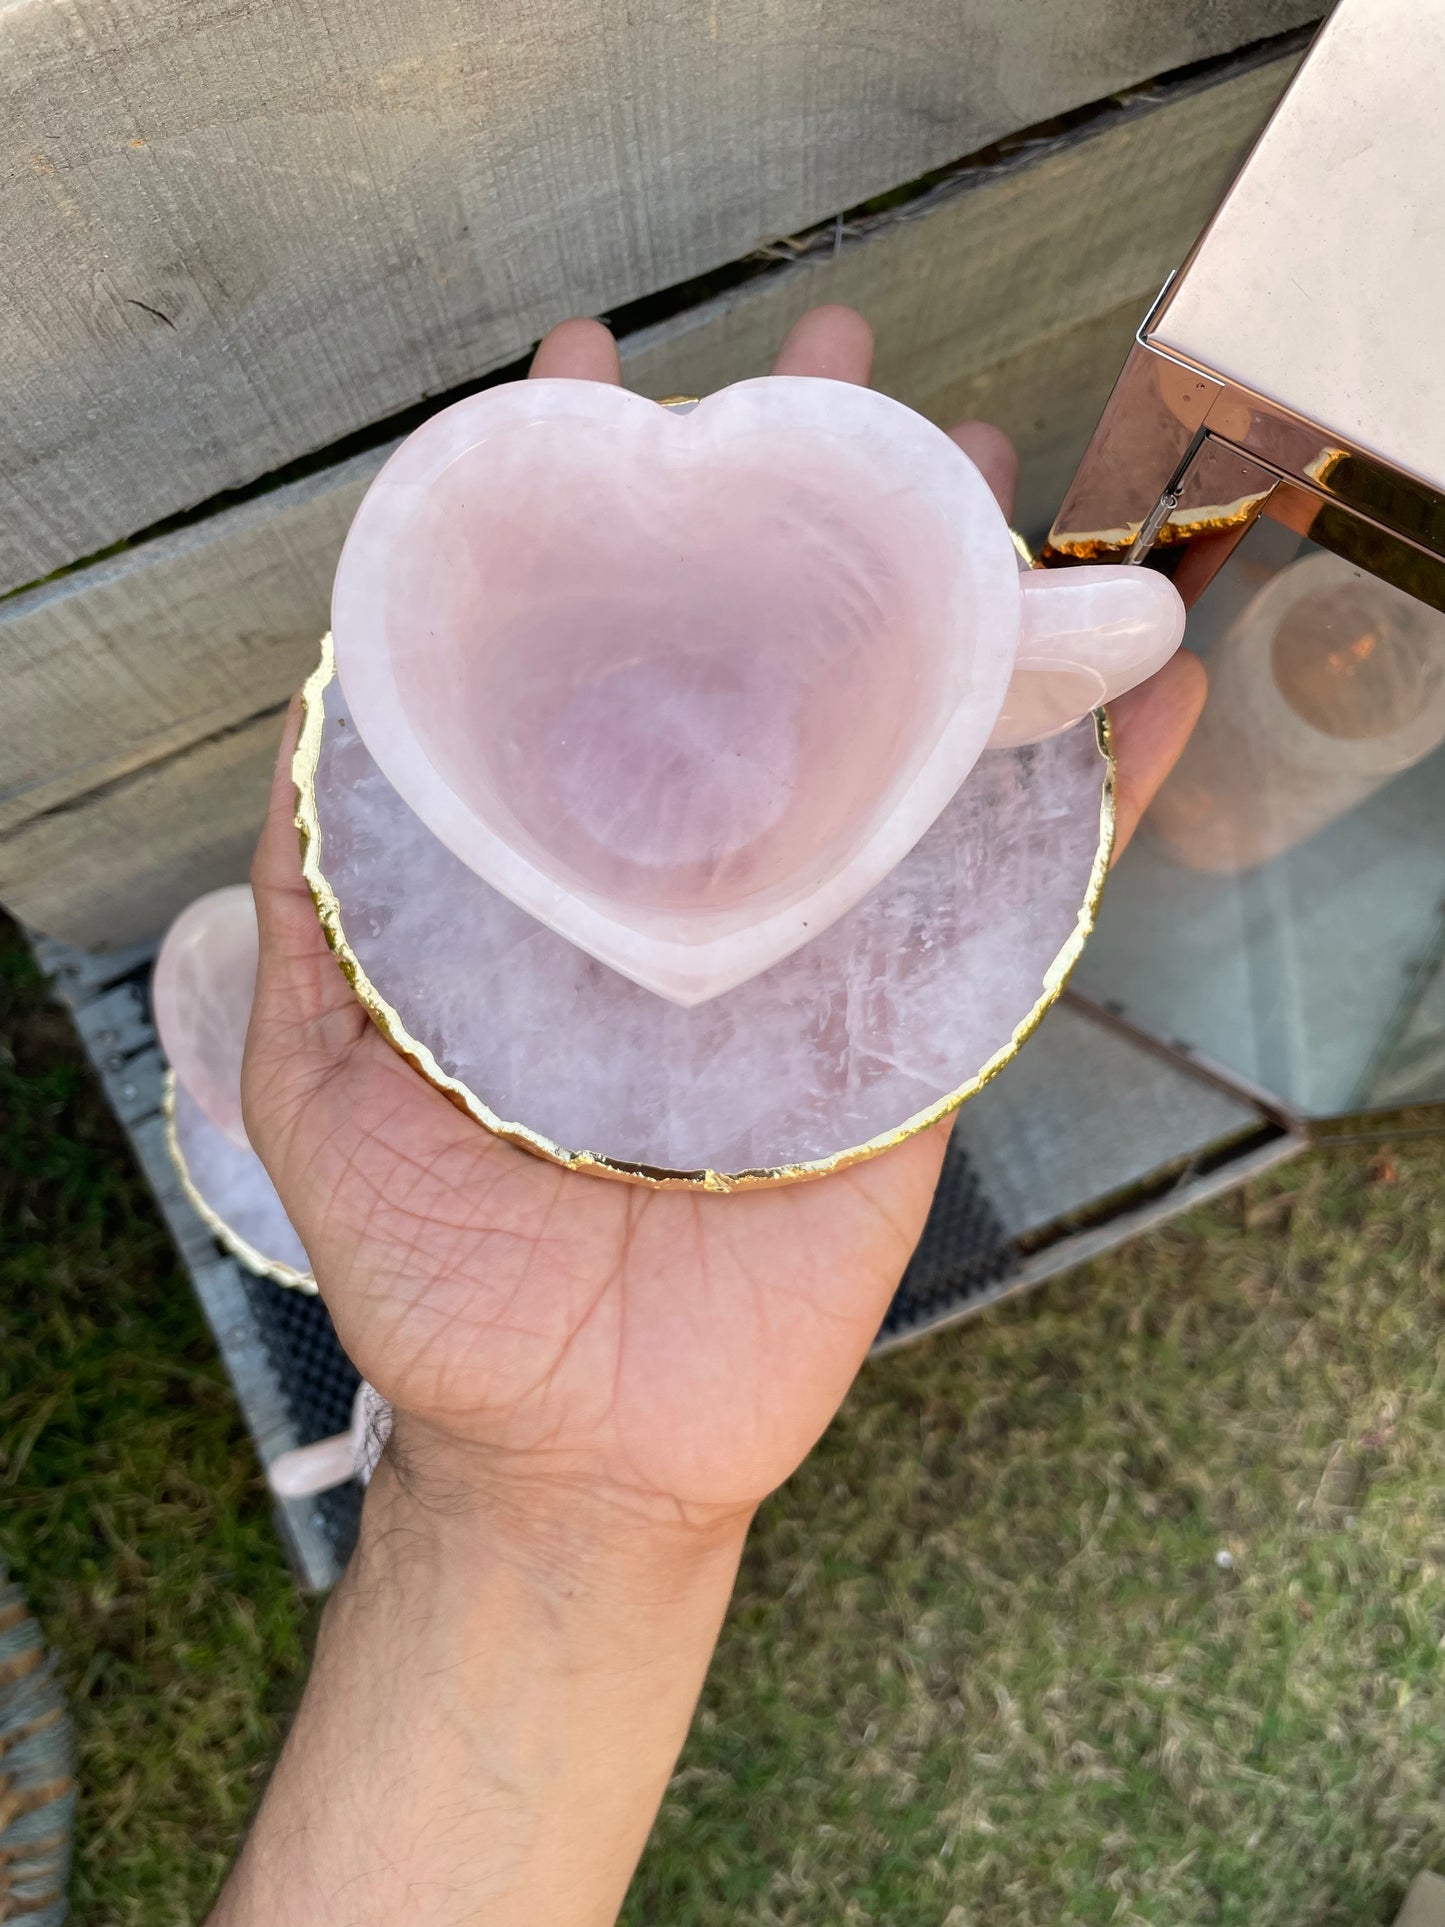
{"x":895,"y":1012}
{"x":202,"y":992}
{"x":238,"y":1201}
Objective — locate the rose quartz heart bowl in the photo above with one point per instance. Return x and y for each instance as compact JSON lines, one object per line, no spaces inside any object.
{"x":686,"y":686}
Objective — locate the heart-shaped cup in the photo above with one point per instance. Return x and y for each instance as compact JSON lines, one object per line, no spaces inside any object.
{"x":686,"y":685}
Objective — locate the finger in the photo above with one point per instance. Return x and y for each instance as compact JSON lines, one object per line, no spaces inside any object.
{"x":994,"y":456}
{"x":1150,"y":726}
{"x":833,"y":342}
{"x":578,"y":351}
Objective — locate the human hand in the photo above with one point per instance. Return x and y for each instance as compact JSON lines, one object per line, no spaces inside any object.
{"x":593,"y":1385}
{"x":671,"y":1353}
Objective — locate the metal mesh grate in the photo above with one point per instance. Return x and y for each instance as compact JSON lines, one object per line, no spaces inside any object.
{"x":964,"y":1251}
{"x":318,"y":1382}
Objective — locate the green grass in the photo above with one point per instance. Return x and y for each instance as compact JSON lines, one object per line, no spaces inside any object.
{"x":129,"y":1505}
{"x":983,"y":1666}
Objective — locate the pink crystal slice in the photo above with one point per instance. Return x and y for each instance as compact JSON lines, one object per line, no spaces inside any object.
{"x":233,"y":1182}
{"x":204,"y":984}
{"x":917,"y":989}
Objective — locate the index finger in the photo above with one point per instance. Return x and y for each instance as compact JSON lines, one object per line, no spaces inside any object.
{"x":577,"y":350}
{"x":833,"y":342}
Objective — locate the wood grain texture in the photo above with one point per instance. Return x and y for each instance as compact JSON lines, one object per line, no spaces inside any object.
{"x":1011,"y":294}
{"x":235,"y":231}
{"x":1000,"y":294}
{"x":120,"y":665}
{"x":116,"y":867}
{"x":156,"y":648}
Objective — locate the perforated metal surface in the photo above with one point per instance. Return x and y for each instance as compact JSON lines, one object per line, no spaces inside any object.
{"x":963,"y":1251}
{"x":318,"y":1382}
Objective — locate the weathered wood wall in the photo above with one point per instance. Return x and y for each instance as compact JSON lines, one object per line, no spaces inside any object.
{"x":331,"y":233}
{"x":234,"y":231}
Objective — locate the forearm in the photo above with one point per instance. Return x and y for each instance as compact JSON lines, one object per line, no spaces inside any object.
{"x":499,"y":1694}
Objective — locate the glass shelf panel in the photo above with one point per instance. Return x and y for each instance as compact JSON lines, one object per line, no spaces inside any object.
{"x":1282,"y":910}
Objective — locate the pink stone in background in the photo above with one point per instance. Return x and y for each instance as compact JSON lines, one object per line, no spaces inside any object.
{"x":205,"y":980}
{"x":233,"y":1182}
{"x":686,"y":687}
{"x":202,"y":992}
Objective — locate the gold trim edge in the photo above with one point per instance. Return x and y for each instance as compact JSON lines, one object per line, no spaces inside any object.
{"x":1183,"y":525}
{"x":241,"y":1249}
{"x":388,"y":1021}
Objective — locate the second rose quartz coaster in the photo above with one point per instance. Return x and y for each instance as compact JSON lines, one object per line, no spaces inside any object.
{"x":890,"y":1018}
{"x":229,"y":1188}
{"x":204,"y":985}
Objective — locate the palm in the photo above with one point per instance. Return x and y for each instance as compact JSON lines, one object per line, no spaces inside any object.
{"x":687,"y":1345}
{"x":677,"y":1344}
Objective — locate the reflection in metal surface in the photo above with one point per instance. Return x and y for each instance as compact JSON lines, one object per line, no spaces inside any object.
{"x":1276,"y":443}
{"x":1302,"y":331}
{"x":1325,"y":686}
{"x":1315,"y":293}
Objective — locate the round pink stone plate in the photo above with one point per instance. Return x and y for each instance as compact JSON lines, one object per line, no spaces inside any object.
{"x":886,"y":1021}
{"x":231,"y":1193}
{"x":204,"y":984}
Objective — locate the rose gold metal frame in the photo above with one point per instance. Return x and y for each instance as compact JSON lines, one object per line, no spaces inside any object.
{"x":1286,"y":366}
{"x":1193,"y":444}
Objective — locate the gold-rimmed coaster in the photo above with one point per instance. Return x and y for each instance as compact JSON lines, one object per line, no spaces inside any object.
{"x":883,"y":1024}
{"x":227,"y":1187}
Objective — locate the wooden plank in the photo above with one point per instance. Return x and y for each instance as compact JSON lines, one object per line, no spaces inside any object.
{"x":114,"y":667}
{"x":234,"y":232}
{"x":971,"y":290}
{"x":117,"y":665}
{"x":1011,"y":295}
{"x":115,"y":867}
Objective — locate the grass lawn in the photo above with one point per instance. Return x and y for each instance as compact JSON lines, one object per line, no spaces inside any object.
{"x":1059,"y":1624}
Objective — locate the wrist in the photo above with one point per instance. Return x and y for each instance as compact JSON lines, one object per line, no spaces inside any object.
{"x":503,"y":1680}
{"x":580,"y":1533}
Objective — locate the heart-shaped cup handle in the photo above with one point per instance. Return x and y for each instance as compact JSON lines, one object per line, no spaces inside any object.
{"x":1087,"y":635}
